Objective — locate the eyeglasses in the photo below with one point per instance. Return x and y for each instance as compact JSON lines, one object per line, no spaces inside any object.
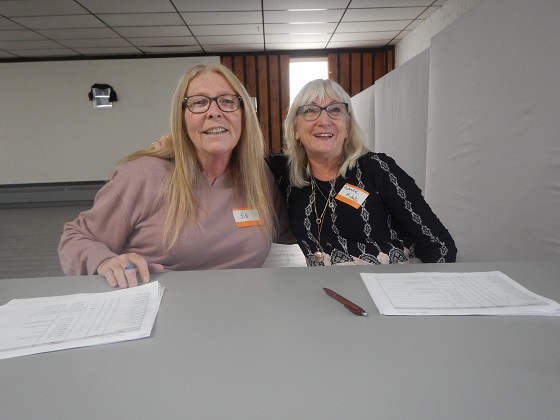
{"x":312,"y":112}
{"x":199,"y":103}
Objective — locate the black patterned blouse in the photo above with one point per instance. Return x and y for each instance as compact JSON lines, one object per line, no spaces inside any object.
{"x":384,"y":220}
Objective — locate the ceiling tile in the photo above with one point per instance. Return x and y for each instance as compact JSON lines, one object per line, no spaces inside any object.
{"x":308,"y":4}
{"x":127,"y":6}
{"x":156,"y":31}
{"x":16,"y":8}
{"x":364,"y":36}
{"x":296,"y":46}
{"x":87,"y":33}
{"x":28,"y":45}
{"x":58,"y":22}
{"x":222,"y":18}
{"x":142,"y":19}
{"x":172,"y":41}
{"x":45,"y":52}
{"x":228,"y":40}
{"x":172,"y":50}
{"x":108,"y":51}
{"x":91,"y":43}
{"x":217,"y":6}
{"x":4,"y":54}
{"x":206,"y":30}
{"x":287,"y":28}
{"x":221,"y":48}
{"x":389,"y":25}
{"x":358,"y":4}
{"x":395,"y":13}
{"x":8,"y":25}
{"x":19,"y":36}
{"x":316,"y":16}
{"x":298,"y":38}
{"x":358,"y":44}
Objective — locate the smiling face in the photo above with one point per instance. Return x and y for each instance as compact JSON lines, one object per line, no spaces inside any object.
{"x":214,"y":133}
{"x":323,"y":139}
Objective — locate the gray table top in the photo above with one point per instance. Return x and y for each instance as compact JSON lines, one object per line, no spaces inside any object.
{"x":269,"y":343}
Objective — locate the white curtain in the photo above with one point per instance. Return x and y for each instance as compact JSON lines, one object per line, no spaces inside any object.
{"x":493,"y":155}
{"x":363,"y":105}
{"x":401,"y":115}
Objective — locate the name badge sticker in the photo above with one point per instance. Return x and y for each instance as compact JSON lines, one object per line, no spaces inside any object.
{"x":246,"y":217}
{"x":352,"y":195}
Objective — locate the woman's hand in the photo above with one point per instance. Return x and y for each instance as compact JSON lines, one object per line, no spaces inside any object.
{"x":161,"y":142}
{"x":121,"y":271}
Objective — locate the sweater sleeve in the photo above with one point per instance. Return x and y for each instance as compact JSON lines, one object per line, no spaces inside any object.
{"x":411,"y":216}
{"x":102,"y":232}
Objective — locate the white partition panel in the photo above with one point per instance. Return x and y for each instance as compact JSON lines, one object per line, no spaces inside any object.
{"x":363,"y":105}
{"x":493,"y":158}
{"x":401,"y":115}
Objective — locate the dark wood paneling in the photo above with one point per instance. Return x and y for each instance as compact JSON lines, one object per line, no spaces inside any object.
{"x":284,"y":86}
{"x":367,"y":75}
{"x":251,"y":75}
{"x":274,"y":81}
{"x":379,"y":66}
{"x":356,"y":72}
{"x":239,"y":67}
{"x":344,"y":71}
{"x":263,"y":98}
{"x":333,"y":66}
{"x":390,"y":54}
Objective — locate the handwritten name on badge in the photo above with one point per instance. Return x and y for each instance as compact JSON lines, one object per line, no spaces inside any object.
{"x":352,"y":195}
{"x":246,"y":217}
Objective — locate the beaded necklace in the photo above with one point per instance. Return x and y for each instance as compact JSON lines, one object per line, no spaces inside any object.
{"x":319,"y":255}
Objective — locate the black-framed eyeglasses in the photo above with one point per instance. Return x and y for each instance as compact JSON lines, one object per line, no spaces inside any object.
{"x":198,"y":104}
{"x":312,"y":112}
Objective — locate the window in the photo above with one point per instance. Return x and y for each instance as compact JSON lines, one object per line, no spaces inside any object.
{"x":303,"y":70}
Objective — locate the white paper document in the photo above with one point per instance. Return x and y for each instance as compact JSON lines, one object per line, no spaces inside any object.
{"x":38,"y":325}
{"x":484,"y":293}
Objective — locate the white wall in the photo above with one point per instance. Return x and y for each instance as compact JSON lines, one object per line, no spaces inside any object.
{"x":50,"y":131}
{"x":419,"y":39}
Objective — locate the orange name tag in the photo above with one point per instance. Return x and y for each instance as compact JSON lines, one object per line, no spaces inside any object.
{"x":352,"y":195}
{"x":246,"y":217}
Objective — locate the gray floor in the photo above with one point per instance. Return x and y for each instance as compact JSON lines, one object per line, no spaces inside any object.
{"x":29,"y":239}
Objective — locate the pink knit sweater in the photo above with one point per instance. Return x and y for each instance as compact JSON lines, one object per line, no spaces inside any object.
{"x":124,"y":219}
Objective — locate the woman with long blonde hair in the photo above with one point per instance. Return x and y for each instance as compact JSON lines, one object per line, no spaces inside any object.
{"x":205,"y":200}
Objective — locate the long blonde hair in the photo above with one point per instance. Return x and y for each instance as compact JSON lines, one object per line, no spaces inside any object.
{"x":354,"y":147}
{"x":246,"y":167}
